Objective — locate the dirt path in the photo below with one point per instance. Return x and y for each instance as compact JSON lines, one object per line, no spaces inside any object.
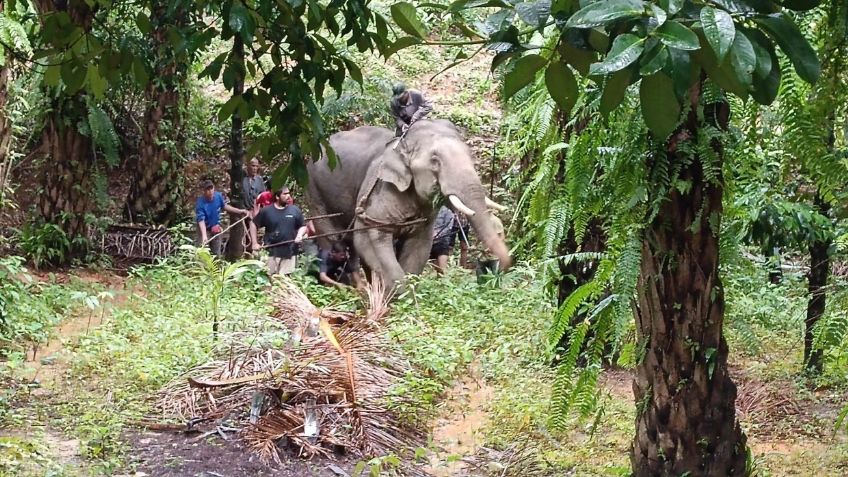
{"x":457,"y":433}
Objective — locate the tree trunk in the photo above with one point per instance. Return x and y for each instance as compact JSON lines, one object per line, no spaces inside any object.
{"x":66,"y":178}
{"x":235,"y":243}
{"x":685,"y":411}
{"x":155,"y":193}
{"x":5,"y":131}
{"x":816,"y":283}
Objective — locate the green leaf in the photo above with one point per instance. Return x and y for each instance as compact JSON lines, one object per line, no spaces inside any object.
{"x":522,"y":74}
{"x":615,"y":90}
{"x":143,"y":23}
{"x":682,"y":71}
{"x":238,"y":17}
{"x":96,"y":83}
{"x":671,"y":6}
{"x":401,"y":43}
{"x":606,"y":12}
{"x":677,"y":36}
{"x":654,"y":61}
{"x":353,"y":69}
{"x":743,"y":58}
{"x":722,"y":74}
{"x":659,"y":104}
{"x":140,"y":72}
{"x":51,"y":75}
{"x":407,"y":19}
{"x":533,"y":13}
{"x":625,"y":50}
{"x":766,"y":86}
{"x":719,"y":30}
{"x":793,"y":43}
{"x":579,"y":58}
{"x":562,"y":86}
{"x":73,"y":76}
{"x":659,"y":14}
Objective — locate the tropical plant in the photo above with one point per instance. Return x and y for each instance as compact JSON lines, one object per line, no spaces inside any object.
{"x":686,"y":58}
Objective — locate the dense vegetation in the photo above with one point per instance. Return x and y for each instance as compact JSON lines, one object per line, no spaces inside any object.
{"x":676,"y":173}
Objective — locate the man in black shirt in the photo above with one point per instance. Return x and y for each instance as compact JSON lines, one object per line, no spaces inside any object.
{"x":284,"y":225}
{"x":336,"y":268}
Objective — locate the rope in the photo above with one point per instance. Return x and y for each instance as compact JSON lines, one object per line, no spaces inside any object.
{"x":354,"y":229}
{"x":228,"y":228}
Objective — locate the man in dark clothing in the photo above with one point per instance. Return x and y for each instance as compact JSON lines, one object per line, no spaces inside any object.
{"x":207,"y":212}
{"x":445,"y":230}
{"x":335,"y":268}
{"x":408,"y":106}
{"x":282,"y":223}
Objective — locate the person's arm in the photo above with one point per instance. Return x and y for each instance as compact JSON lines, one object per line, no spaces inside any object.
{"x":202,"y":227}
{"x":301,"y":232}
{"x":234,"y":210}
{"x":356,"y":279}
{"x":424,"y":107}
{"x":326,"y":280}
{"x":256,"y":222}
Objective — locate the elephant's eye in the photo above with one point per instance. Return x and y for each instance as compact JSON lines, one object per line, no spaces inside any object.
{"x":434,"y":160}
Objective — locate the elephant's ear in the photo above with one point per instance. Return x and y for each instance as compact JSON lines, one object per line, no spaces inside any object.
{"x":394,"y":170}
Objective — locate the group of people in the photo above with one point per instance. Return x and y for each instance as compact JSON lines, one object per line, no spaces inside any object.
{"x":286,"y":229}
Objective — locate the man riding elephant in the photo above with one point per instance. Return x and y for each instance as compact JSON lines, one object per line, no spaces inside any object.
{"x":390,"y":195}
{"x":408,"y":106}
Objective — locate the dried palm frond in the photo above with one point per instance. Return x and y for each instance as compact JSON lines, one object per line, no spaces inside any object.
{"x":339,"y":375}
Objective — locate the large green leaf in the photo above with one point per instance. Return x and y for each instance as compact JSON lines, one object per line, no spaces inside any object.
{"x":407,"y":19}
{"x":615,"y":90}
{"x":561,"y":85}
{"x":606,"y":12}
{"x":763,"y":47}
{"x":721,"y":73}
{"x":579,"y":58}
{"x":654,"y":60}
{"x":401,"y":43}
{"x":659,"y":104}
{"x":719,"y":30}
{"x":683,"y":72}
{"x":765,"y":86}
{"x":522,"y":74}
{"x":793,"y":43}
{"x":677,"y":36}
{"x":743,"y":59}
{"x":671,"y":6}
{"x":625,"y":50}
{"x":533,"y":13}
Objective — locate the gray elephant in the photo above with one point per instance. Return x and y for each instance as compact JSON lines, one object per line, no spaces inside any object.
{"x":376,"y":183}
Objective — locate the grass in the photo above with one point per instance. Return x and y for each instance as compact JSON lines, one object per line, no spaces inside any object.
{"x":163,"y":326}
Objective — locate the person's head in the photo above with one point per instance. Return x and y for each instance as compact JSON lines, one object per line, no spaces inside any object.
{"x":400,"y":95}
{"x":253,"y":167}
{"x":207,"y":188}
{"x":283,"y":196}
{"x":338,"y":251}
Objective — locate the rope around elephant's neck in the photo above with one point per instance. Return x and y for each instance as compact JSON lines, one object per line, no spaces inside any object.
{"x":352,"y":229}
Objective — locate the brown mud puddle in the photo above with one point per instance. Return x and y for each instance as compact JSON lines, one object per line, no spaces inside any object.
{"x":457,"y":433}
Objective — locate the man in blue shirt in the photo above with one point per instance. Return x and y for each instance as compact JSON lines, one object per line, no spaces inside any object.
{"x":207,"y":211}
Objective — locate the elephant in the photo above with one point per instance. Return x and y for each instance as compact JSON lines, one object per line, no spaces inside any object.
{"x":383,"y":180}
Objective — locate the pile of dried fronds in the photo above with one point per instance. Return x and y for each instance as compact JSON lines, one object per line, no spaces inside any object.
{"x":136,"y":242}
{"x":323,"y":390}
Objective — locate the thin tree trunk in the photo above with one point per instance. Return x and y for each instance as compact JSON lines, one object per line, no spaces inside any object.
{"x":5,"y":130}
{"x":235,"y":243}
{"x":816,"y":287}
{"x":155,"y":193}
{"x":685,"y":412}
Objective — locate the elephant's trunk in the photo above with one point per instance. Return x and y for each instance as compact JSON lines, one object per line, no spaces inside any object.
{"x":484,"y":225}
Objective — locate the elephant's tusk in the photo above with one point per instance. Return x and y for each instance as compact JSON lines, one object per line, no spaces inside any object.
{"x":494,"y":205}
{"x":459,"y":206}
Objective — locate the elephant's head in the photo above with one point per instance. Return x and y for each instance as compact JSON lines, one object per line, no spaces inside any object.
{"x":434,"y":158}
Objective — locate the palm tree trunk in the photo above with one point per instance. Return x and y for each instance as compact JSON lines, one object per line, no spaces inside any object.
{"x":235,"y":243}
{"x":685,"y":415}
{"x":67,"y":178}
{"x":155,"y":193}
{"x":816,"y":287}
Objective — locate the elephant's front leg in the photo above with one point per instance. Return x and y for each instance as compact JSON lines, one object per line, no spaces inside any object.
{"x":416,"y":250}
{"x":375,"y":248}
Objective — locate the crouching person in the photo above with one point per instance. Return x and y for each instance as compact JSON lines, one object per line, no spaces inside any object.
{"x":284,"y":228}
{"x":336,"y":268}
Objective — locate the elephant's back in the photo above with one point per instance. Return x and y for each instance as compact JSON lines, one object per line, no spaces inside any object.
{"x":361,"y":144}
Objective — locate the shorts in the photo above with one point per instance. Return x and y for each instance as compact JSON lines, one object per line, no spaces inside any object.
{"x":280,"y":265}
{"x":440,"y":248}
